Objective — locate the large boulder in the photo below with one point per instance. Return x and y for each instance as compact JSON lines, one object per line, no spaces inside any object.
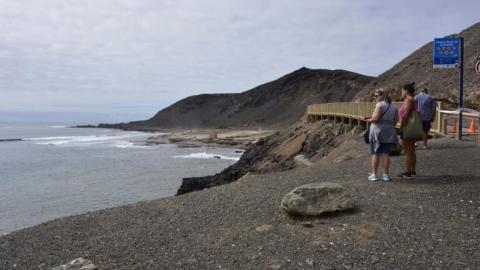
{"x":317,"y":198}
{"x":77,"y":264}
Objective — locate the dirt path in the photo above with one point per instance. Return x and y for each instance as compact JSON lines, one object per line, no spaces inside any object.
{"x":431,"y":222}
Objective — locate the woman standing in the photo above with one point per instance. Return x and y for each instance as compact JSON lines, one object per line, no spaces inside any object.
{"x":408,"y":107}
{"x":383,"y":137}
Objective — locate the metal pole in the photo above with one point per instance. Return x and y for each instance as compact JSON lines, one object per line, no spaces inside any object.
{"x":460,"y":122}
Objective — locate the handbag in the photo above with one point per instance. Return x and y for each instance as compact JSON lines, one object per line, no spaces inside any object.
{"x":366,"y":133}
{"x":413,"y":129}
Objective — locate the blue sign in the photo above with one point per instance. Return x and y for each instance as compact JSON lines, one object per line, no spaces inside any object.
{"x":446,"y":53}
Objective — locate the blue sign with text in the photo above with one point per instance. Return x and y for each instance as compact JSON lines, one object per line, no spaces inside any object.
{"x":446,"y":53}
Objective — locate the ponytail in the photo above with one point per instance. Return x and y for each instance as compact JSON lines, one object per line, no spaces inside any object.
{"x":410,"y":88}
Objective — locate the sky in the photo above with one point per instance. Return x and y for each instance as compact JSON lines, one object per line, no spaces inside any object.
{"x":121,"y":60}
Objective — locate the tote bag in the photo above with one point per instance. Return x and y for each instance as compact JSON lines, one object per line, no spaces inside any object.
{"x":413,"y":129}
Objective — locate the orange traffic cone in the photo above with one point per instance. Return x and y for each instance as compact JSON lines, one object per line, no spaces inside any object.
{"x":454,"y":127}
{"x":473,"y":127}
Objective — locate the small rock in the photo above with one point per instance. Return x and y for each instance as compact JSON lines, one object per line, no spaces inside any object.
{"x":307,"y":224}
{"x":264,"y":228}
{"x":317,"y":198}
{"x":275,"y":266}
{"x":192,"y":260}
{"x":310,"y":262}
{"x":77,"y":264}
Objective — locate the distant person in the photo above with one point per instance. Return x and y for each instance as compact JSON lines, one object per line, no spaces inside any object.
{"x":383,"y":137}
{"x":427,"y":106}
{"x":408,"y":107}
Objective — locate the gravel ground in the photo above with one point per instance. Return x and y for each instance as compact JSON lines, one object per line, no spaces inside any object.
{"x":431,"y":222}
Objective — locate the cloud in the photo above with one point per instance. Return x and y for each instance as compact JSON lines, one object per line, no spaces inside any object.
{"x":65,"y":54}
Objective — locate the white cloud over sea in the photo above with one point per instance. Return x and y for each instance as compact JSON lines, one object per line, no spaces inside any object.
{"x":133,"y":57}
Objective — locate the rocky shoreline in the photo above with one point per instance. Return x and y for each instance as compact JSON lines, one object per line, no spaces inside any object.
{"x":278,"y":152}
{"x":255,"y":143}
{"x":430,"y":222}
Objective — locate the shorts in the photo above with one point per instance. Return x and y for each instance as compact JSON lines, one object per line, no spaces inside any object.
{"x":385,"y":148}
{"x":427,"y":125}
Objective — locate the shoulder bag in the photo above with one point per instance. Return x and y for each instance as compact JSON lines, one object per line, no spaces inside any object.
{"x":413,"y":129}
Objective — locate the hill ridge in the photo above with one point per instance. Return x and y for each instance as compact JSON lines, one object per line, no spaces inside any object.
{"x":277,"y":103}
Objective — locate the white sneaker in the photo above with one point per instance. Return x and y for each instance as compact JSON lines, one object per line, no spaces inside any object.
{"x":386,"y":177}
{"x":372,"y":177}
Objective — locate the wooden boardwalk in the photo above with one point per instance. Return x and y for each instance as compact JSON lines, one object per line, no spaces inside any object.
{"x":355,"y":112}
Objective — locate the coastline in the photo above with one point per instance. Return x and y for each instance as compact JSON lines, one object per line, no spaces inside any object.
{"x":232,"y":138}
{"x":66,"y":163}
{"x":240,"y":138}
{"x":406,"y":222}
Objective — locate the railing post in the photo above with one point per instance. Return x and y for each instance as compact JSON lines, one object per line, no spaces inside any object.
{"x":445,"y":125}
{"x":439,"y":117}
{"x":358,"y":114}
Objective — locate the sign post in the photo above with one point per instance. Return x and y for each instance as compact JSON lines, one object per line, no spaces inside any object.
{"x":448,"y":53}
{"x":460,"y":118}
{"x":477,"y":65}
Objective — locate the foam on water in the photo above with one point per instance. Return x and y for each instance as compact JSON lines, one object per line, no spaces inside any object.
{"x":204,"y":155}
{"x":127,"y":144}
{"x":119,"y":141}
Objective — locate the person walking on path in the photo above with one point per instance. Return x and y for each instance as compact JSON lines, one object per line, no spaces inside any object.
{"x":382,"y":137}
{"x":426,"y":106}
{"x":408,"y":107}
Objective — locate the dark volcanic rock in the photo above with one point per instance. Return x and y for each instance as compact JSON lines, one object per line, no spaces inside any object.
{"x":275,"y":153}
{"x":10,"y":140}
{"x":251,"y":156}
{"x":85,"y":126}
{"x":129,"y":126}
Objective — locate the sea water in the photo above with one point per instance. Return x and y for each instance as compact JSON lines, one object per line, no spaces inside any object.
{"x":56,"y":171}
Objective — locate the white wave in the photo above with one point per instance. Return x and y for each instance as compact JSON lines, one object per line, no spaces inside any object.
{"x":87,"y":138}
{"x":50,"y":138}
{"x":59,"y":126}
{"x":205,"y":155}
{"x":53,"y":142}
{"x":119,"y":141}
{"x":125,"y":140}
{"x":127,"y":144}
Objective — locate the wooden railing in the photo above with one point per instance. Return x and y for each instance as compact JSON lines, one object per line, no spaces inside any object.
{"x":357,"y":111}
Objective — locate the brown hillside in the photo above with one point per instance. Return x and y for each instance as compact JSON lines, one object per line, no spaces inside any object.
{"x":275,"y":104}
{"x":442,"y":83}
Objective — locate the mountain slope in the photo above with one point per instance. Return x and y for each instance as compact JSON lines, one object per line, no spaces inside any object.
{"x":274,"y":104}
{"x":442,"y":83}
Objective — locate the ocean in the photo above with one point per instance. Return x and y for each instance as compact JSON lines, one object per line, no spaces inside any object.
{"x":56,"y":171}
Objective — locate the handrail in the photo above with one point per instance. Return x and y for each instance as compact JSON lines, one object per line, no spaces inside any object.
{"x":359,"y":110}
